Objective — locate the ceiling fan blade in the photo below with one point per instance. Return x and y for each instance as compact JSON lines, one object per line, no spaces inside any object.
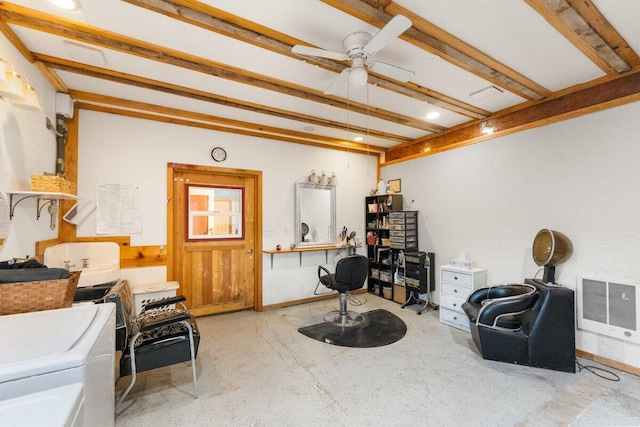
{"x":398,"y":25}
{"x":339,"y":81}
{"x":313,"y":51}
{"x":392,"y":71}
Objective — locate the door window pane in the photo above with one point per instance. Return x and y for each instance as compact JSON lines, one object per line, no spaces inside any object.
{"x":215,"y":212}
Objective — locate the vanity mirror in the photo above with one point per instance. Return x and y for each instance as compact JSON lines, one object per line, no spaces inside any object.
{"x":4,"y":220}
{"x":315,"y":216}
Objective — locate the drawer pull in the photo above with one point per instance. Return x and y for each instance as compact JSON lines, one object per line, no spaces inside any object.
{"x":455,"y":291}
{"x":455,"y":317}
{"x":455,"y":277}
{"x":455,"y":305}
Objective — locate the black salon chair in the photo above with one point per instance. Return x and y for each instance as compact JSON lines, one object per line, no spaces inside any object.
{"x":495,"y":318}
{"x":528,"y":324}
{"x":351,"y":273}
{"x":500,"y":306}
{"x":159,"y":336}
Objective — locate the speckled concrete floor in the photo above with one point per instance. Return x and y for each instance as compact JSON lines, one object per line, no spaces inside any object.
{"x":255,"y":369}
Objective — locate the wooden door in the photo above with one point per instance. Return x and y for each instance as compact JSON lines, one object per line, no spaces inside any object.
{"x":215,"y":252}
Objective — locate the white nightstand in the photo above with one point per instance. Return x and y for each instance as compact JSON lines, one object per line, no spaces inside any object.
{"x":455,"y":286}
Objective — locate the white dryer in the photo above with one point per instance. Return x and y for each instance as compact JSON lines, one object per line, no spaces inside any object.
{"x":46,"y":350}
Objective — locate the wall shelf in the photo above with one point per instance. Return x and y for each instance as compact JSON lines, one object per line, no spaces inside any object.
{"x":42,"y":196}
{"x":326,"y":250}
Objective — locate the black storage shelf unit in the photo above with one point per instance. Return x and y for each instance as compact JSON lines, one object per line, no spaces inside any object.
{"x":381,"y":261}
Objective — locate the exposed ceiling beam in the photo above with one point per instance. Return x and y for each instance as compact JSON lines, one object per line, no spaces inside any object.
{"x":582,"y":25}
{"x":141,"y":82}
{"x":15,"y":40}
{"x":216,"y":20}
{"x":87,"y":34}
{"x":430,"y":38}
{"x":593,"y":96}
{"x":603,"y":27}
{"x":51,"y":76}
{"x":144,"y":111}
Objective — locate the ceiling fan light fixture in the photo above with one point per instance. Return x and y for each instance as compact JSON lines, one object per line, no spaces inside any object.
{"x":358,"y":48}
{"x":358,"y":77}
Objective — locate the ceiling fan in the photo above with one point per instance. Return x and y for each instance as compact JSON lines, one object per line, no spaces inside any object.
{"x":360,"y":47}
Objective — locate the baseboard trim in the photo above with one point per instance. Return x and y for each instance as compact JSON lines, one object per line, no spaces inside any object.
{"x":609,"y":362}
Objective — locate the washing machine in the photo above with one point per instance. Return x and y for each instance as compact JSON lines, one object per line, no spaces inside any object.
{"x":65,"y":356}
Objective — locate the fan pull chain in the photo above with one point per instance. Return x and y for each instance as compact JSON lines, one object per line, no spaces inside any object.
{"x":368,"y":130}
{"x":348,"y":126}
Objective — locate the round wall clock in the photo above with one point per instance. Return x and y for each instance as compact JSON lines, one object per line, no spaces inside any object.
{"x":218,"y":154}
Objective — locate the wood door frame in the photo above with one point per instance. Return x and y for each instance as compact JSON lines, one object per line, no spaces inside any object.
{"x":172,"y":168}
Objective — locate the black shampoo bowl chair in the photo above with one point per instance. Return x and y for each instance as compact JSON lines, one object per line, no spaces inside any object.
{"x":351,"y":272}
{"x":530,"y":324}
{"x":159,"y":336}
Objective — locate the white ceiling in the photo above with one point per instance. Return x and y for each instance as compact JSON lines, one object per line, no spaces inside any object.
{"x":511,"y":32}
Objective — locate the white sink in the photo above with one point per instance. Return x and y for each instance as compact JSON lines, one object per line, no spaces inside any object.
{"x":97,"y":275}
{"x":102,"y":260}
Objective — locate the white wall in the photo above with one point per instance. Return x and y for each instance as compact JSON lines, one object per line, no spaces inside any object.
{"x":121,"y":150}
{"x":26,"y":148}
{"x":579,"y":176}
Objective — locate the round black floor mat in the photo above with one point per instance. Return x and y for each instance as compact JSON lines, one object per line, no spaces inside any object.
{"x":380,"y":327}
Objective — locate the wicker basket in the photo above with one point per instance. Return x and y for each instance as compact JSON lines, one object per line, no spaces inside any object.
{"x":24,"y":297}
{"x":52,"y":184}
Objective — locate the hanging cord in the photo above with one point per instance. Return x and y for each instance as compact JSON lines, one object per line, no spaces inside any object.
{"x":368,"y":130}
{"x":348,"y":124}
{"x":595,"y":370}
{"x":536,"y":275}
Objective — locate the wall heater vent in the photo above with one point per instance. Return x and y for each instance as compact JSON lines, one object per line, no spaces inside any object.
{"x":609,"y":308}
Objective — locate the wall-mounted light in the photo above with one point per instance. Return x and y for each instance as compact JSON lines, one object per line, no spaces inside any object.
{"x":29,"y":98}
{"x":10,"y":82}
{"x":322,"y":179}
{"x":17,"y":88}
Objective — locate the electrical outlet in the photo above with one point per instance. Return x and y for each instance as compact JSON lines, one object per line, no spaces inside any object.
{"x":287,"y":231}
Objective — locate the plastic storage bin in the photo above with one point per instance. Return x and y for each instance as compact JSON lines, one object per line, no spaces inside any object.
{"x":148,"y":291}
